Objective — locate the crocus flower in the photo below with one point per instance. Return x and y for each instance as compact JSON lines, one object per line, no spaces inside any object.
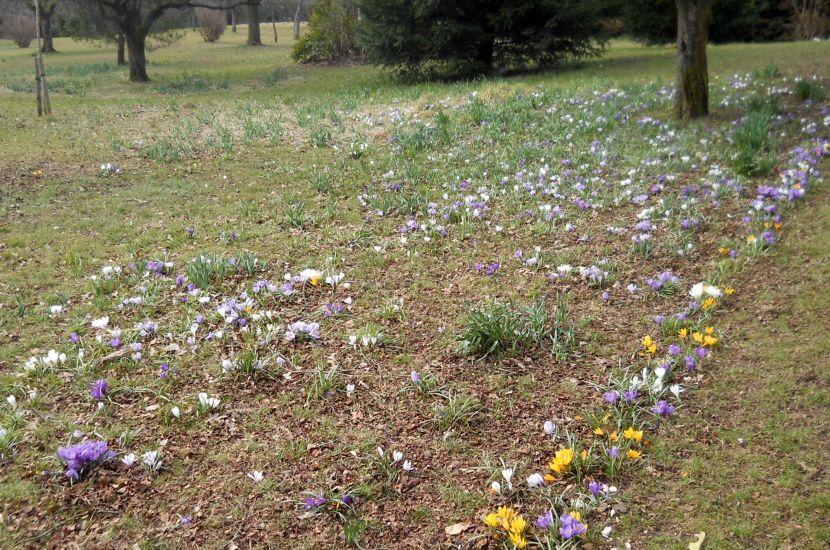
{"x":595,"y":487}
{"x":536,"y":480}
{"x":256,"y":476}
{"x":415,"y":377}
{"x":611,"y":396}
{"x":314,"y":502}
{"x":99,"y":389}
{"x":663,"y":408}
{"x":571,"y":527}
{"x":544,"y":522}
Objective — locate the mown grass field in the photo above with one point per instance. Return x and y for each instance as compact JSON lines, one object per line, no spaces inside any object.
{"x":523,"y":198}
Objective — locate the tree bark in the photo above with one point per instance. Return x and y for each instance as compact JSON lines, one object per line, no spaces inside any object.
{"x":692,"y":93}
{"x":46,"y":31}
{"x":254,"y":38}
{"x":122,"y":59}
{"x":136,"y":40}
{"x":297,"y":20}
{"x":274,"y":23}
{"x":233,"y":20}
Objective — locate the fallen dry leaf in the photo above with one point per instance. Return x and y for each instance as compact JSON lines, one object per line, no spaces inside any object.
{"x":457,"y":528}
{"x":699,"y":542}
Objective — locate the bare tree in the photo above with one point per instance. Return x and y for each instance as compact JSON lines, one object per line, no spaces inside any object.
{"x":692,"y":93}
{"x":297,"y":20}
{"x":20,"y":29}
{"x":135,"y":18}
{"x":810,"y":18}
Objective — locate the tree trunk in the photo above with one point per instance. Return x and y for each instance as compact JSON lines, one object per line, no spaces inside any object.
{"x":46,"y":32}
{"x":254,"y":38}
{"x":274,"y":23}
{"x":122,"y":60}
{"x":692,"y":94}
{"x":297,"y":20}
{"x":233,"y":20}
{"x":138,"y":63}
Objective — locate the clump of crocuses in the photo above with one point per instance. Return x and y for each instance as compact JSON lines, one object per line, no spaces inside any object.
{"x":82,"y":457}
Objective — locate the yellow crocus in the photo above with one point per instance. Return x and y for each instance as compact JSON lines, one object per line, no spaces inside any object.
{"x":518,"y":525}
{"x":709,"y":341}
{"x":614,"y":437}
{"x":634,"y":455}
{"x":492,"y":520}
{"x":518,"y":540}
{"x":562,"y":461}
{"x":599,"y":431}
{"x":697,"y":337}
{"x":634,"y":435}
{"x":729,"y":291}
{"x":710,"y":331}
{"x":683,"y":332}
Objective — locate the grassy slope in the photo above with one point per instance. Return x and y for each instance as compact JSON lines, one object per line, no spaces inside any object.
{"x":101,"y":220}
{"x":748,"y":463}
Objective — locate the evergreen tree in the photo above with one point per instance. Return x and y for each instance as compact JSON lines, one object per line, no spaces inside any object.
{"x":473,"y":36}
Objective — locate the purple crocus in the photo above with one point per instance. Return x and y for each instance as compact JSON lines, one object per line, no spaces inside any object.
{"x":595,"y":487}
{"x":663,"y":408}
{"x":83,"y":454}
{"x":611,"y":396}
{"x":99,"y":389}
{"x":690,"y":362}
{"x":614,"y":452}
{"x":415,"y":377}
{"x":115,"y":342}
{"x":544,"y":522}
{"x":313,"y":502}
{"x":674,"y":350}
{"x":571,"y":527}
{"x":630,"y":395}
{"x":74,"y":338}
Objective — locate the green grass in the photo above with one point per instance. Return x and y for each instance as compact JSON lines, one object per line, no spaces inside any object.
{"x":748,"y":467}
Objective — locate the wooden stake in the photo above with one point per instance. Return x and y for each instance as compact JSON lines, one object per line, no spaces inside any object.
{"x":44,"y":89}
{"x":44,"y":107}
{"x":39,"y":94}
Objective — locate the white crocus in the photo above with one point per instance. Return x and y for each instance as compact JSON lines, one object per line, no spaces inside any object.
{"x":100,"y":323}
{"x":129,"y":460}
{"x":208,"y":402}
{"x":152,"y":460}
{"x":536,"y":480}
{"x":676,"y":389}
{"x":256,"y":476}
{"x":507,"y":474}
{"x":54,"y":310}
{"x":496,"y":487}
{"x":407,"y":466}
{"x":396,"y":456}
{"x":697,"y":291}
{"x":12,"y":401}
{"x":176,"y":412}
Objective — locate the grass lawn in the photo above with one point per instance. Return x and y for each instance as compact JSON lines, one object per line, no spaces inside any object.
{"x":283,"y":269}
